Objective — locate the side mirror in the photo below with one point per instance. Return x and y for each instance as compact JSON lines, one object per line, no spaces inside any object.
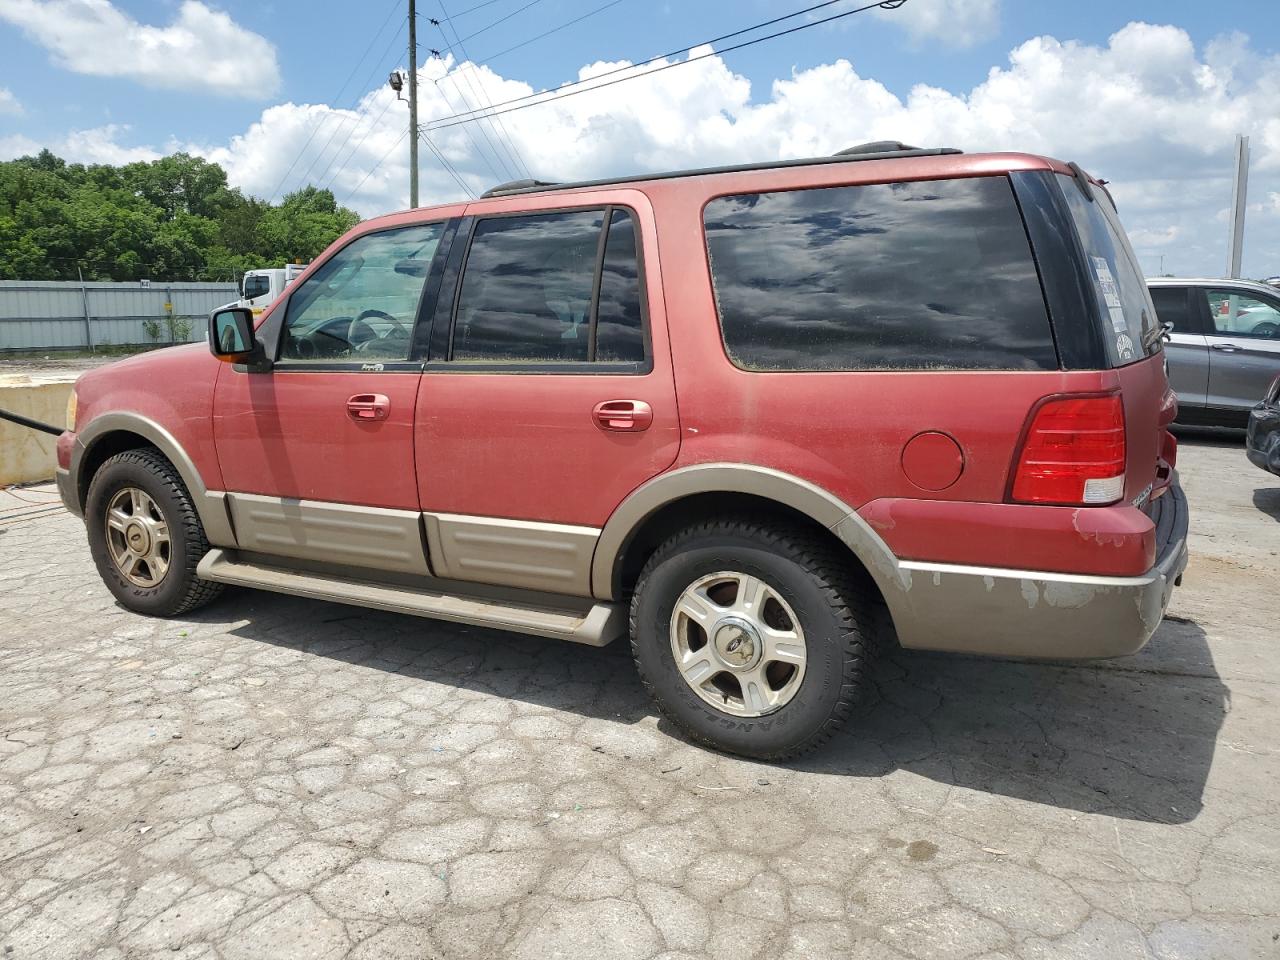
{"x":231,"y":335}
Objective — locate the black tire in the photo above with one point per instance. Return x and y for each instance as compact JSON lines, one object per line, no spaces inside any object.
{"x":180,"y":590}
{"x":837,"y":613}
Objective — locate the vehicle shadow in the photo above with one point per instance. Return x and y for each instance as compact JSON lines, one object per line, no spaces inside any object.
{"x":1131,"y":738}
{"x":1267,"y":499}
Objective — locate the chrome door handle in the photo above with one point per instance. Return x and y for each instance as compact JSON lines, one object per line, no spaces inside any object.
{"x":367,"y":407}
{"x":627,"y":416}
{"x":1225,"y":347}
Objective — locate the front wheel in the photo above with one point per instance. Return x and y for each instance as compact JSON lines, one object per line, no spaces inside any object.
{"x":753,"y":638}
{"x":145,"y":536}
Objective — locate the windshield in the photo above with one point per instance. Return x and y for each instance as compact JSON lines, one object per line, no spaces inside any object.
{"x":1131,"y":329}
{"x":256,"y":285}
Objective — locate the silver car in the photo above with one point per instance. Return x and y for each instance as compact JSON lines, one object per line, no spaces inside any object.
{"x":1224,"y":349}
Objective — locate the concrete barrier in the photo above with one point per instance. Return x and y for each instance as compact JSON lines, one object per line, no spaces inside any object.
{"x":28,"y":455}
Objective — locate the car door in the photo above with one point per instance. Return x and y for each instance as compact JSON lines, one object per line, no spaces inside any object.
{"x":316,"y":452}
{"x":1186,"y":349}
{"x":548,"y":395}
{"x":1244,"y":345}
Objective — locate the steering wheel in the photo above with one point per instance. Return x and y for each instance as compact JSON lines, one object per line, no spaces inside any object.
{"x":397,"y":327}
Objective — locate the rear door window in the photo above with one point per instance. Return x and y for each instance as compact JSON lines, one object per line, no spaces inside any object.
{"x":930,"y":275}
{"x":1174,"y":308}
{"x":1131,"y":329}
{"x":551,"y":288}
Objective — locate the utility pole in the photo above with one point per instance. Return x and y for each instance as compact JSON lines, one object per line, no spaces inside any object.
{"x":413,"y":104}
{"x":1239,"y":187}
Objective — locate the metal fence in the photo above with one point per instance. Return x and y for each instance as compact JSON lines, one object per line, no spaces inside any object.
{"x":67,"y":315}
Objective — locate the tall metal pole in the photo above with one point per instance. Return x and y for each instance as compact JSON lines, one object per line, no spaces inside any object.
{"x":84,"y":298}
{"x":413,"y":104}
{"x":1239,"y":187}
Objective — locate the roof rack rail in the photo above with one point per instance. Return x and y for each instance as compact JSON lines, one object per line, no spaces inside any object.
{"x":516,"y":186}
{"x":878,"y":150}
{"x":875,"y":146}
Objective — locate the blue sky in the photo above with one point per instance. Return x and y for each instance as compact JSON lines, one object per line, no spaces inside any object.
{"x":319,"y":42}
{"x":102,"y":80}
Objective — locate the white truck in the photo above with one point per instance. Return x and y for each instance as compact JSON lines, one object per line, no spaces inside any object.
{"x":259,"y":288}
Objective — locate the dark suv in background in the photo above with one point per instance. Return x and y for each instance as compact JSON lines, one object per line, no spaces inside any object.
{"x":1224,"y":348}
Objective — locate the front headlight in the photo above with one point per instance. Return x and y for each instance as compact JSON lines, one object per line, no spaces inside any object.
{"x":71,"y":411}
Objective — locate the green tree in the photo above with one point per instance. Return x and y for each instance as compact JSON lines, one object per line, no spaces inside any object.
{"x":174,"y":218}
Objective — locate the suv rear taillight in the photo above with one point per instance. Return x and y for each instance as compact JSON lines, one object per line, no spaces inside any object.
{"x":1073,"y":453}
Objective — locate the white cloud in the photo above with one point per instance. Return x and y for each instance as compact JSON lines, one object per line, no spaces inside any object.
{"x":9,"y":103}
{"x":202,"y":49}
{"x":1146,"y":111}
{"x":957,"y":23}
{"x":96,"y":145}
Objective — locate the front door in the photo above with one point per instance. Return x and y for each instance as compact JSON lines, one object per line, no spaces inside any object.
{"x":317,"y":453}
{"x":548,"y":395}
{"x":1244,"y":346}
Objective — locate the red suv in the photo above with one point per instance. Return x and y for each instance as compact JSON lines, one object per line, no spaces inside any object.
{"x":750,"y":416}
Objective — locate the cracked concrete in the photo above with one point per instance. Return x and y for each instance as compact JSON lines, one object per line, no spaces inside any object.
{"x":274,"y":777}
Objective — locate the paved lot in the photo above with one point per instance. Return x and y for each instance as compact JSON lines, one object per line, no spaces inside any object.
{"x":281,"y":778}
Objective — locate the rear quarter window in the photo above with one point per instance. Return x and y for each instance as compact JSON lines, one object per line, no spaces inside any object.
{"x":1132,"y":331}
{"x":929,"y":275}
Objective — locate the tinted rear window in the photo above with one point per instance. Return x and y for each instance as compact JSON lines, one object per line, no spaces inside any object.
{"x":935,"y":274}
{"x":1131,"y":330}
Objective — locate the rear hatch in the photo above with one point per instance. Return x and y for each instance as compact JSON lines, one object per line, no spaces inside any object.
{"x":1131,"y":342}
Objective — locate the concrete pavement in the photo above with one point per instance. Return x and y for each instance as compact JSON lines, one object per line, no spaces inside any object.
{"x":274,"y":777}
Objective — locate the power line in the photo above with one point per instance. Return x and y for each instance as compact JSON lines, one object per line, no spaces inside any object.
{"x":575,"y":87}
{"x":369,"y":173}
{"x":525,"y":43}
{"x":395,"y":146}
{"x":395,"y":38}
{"x":395,"y":4}
{"x":448,"y":166}
{"x":467,"y":130}
{"x":512,"y":150}
{"x":463,"y":13}
{"x":360,"y":143}
{"x":531,"y":3}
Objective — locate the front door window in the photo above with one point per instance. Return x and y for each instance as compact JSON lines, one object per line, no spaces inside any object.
{"x":360,"y":305}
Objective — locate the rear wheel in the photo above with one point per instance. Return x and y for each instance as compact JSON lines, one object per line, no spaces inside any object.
{"x":752,"y":638}
{"x":145,"y":535}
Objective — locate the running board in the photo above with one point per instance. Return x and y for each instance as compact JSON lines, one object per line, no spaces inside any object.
{"x":593,"y":623}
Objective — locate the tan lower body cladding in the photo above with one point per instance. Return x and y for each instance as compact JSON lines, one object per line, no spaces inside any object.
{"x":548,"y":557}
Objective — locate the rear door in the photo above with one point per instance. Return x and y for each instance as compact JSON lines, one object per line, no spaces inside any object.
{"x":1244,"y":345}
{"x":1187,"y":348}
{"x":548,"y":394}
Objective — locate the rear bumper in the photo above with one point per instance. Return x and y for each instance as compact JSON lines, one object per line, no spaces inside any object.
{"x":993,"y":611}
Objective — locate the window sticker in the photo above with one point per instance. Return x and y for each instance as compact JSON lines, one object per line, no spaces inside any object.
{"x":1107,"y":284}
{"x":1124,"y":346}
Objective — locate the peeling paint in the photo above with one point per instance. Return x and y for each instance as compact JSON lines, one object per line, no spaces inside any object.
{"x":1030,"y":592}
{"x":1059,"y":593}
